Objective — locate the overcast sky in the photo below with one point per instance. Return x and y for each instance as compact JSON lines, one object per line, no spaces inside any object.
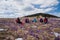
{"x":19,"y":8}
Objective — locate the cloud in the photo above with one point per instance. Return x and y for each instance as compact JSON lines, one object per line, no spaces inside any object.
{"x":28,"y":9}
{"x":19,"y":8}
{"x":56,"y":13}
{"x":46,"y":3}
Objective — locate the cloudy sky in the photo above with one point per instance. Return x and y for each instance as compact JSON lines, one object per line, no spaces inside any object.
{"x":19,"y":8}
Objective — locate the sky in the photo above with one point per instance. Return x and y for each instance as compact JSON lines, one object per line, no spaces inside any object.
{"x":19,"y":8}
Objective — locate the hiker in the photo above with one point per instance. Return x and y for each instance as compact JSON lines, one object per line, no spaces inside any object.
{"x":26,"y":20}
{"x":41,"y":20}
{"x":34,"y":20}
{"x":45,"y":20}
{"x":18,"y":21}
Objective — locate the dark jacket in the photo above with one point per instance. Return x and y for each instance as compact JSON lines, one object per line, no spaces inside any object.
{"x":18,"y":21}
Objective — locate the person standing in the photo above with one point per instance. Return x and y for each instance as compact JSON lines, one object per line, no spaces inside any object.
{"x":26,"y":20}
{"x":41,"y":20}
{"x":34,"y":20}
{"x":45,"y":20}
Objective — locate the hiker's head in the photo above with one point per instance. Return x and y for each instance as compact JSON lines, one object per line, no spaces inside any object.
{"x":18,"y":18}
{"x":40,"y":16}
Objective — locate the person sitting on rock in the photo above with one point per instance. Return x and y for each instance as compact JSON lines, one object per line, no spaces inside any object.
{"x":18,"y":21}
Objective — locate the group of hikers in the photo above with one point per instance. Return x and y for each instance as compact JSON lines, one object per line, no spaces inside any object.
{"x":45,"y":20}
{"x":41,"y":20}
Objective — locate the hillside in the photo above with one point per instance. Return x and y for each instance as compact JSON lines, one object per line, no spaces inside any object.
{"x":42,"y":14}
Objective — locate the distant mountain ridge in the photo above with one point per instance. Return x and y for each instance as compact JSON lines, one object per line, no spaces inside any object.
{"x":42,"y":14}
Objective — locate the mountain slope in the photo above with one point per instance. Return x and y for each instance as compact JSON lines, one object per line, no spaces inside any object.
{"x":42,"y":14}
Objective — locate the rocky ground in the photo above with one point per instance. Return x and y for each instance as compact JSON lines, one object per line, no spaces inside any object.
{"x":29,"y":31}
